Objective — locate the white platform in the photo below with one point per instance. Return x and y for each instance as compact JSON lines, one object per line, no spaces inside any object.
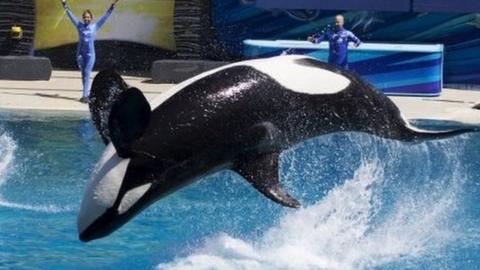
{"x":60,"y":96}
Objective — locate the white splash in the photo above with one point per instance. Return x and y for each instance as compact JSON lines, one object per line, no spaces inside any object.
{"x":7,"y":149}
{"x":50,"y":208}
{"x":232,"y":92}
{"x":7,"y":158}
{"x":342,"y":231}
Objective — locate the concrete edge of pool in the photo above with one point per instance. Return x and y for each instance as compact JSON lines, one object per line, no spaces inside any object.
{"x":59,"y":96}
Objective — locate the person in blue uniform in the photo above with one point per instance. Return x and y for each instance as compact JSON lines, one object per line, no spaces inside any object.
{"x":338,"y":39}
{"x":86,"y":47}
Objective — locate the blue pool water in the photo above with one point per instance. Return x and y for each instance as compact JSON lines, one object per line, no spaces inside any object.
{"x":369,"y":203}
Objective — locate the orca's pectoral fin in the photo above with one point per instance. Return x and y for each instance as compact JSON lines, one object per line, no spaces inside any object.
{"x":261,"y":170}
{"x":128,"y":119}
{"x":106,"y":88}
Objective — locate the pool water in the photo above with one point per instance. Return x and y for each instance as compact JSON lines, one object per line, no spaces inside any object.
{"x":368,"y":203}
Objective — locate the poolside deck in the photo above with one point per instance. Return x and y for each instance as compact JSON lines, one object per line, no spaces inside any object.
{"x":61,"y":93}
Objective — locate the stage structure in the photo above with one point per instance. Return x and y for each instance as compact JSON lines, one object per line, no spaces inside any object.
{"x":17,"y":28}
{"x":144,"y":31}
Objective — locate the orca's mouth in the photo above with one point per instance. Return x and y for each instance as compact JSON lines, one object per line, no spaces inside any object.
{"x":111,"y":220}
{"x":103,"y":226}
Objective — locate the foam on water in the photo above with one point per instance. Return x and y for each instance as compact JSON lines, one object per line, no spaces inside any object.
{"x":7,"y":165}
{"x":52,"y":209}
{"x":7,"y":149}
{"x":349,"y":227}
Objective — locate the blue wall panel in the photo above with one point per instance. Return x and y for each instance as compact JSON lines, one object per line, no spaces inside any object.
{"x":235,"y":21}
{"x":382,"y":5}
{"x":395,"y":69}
{"x":446,"y":6}
{"x":377,"y":5}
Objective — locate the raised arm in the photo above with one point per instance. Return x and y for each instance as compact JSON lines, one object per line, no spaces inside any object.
{"x":319,"y":37}
{"x":105,"y":16}
{"x":72,"y":17}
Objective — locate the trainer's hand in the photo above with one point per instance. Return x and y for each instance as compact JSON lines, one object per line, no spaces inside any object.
{"x":311,"y":39}
{"x":64,"y":2}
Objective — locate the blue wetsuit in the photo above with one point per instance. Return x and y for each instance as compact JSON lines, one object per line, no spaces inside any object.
{"x":86,"y":46}
{"x":338,"y":42}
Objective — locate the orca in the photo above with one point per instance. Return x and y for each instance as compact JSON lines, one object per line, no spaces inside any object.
{"x":238,"y":117}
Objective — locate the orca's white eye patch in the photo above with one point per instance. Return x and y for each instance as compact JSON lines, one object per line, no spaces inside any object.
{"x":131,"y":197}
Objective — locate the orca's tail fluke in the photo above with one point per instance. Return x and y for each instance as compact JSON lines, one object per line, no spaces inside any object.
{"x":417,"y":135}
{"x":405,"y":132}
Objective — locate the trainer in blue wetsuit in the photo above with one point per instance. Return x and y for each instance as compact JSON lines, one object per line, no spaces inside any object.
{"x":338,"y":42}
{"x":86,"y":47}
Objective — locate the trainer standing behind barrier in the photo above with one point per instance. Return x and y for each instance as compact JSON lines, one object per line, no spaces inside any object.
{"x":86,"y":46}
{"x":338,"y":41}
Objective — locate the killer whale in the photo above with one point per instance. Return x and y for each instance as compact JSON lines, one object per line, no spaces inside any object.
{"x":238,"y":117}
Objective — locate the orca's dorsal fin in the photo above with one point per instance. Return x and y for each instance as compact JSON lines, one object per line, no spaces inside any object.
{"x":106,"y":88}
{"x":261,"y":170}
{"x":128,"y":120}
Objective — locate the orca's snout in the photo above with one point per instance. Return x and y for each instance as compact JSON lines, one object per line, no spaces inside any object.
{"x":90,"y":234}
{"x":111,"y":199}
{"x":101,"y":227}
{"x":97,"y":214}
{"x":86,"y":237}
{"x":111,"y":220}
